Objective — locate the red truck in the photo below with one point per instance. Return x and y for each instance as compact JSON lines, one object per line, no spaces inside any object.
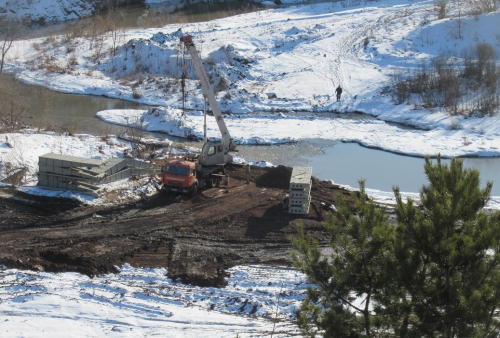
{"x":185,"y":176}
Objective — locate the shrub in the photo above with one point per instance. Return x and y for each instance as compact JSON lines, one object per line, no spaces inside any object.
{"x":441,"y":6}
{"x":466,"y":89}
{"x":366,"y":41}
{"x":70,"y":127}
{"x":486,"y":56}
{"x":482,"y":6}
{"x":455,"y":124}
{"x":73,"y":61}
{"x":136,"y":94}
{"x":488,"y":103}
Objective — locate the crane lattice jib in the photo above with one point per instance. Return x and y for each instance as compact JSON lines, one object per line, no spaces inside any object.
{"x":208,"y":92}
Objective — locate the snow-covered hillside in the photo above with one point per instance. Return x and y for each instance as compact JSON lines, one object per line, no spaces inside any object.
{"x":48,"y":11}
{"x":278,"y":62}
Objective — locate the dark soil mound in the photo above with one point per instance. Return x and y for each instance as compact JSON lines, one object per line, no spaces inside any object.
{"x":277,"y":177}
{"x":195,"y":263}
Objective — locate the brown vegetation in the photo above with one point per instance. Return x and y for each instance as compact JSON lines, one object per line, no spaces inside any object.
{"x":471,"y":87}
{"x":197,"y":12}
{"x":11,"y":30}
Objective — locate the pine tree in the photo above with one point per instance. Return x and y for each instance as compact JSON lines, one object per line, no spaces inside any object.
{"x":436,"y":273}
{"x":354,"y":271}
{"x":447,"y":256}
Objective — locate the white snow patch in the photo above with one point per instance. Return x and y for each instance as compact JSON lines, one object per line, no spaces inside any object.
{"x":144,"y":302}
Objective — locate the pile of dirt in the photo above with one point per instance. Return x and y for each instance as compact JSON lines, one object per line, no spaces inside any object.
{"x":277,"y":177}
{"x":56,"y":261}
{"x":198,"y":264}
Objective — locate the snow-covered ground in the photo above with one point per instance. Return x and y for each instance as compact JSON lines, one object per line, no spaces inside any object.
{"x":144,"y":302}
{"x":21,"y":150}
{"x":281,"y":128}
{"x":275,"y":70}
{"x":282,"y":60}
{"x":47,"y":11}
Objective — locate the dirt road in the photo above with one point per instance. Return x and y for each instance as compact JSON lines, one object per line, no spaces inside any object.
{"x":196,"y":238}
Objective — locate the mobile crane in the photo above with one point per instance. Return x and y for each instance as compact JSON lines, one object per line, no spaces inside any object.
{"x":187,"y":176}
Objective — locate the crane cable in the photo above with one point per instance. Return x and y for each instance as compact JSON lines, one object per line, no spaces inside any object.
{"x":181,"y":62}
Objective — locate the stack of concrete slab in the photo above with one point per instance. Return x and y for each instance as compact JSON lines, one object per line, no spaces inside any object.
{"x":299,"y":197}
{"x":85,"y":175}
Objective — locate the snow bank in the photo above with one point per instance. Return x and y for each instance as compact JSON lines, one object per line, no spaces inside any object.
{"x":144,"y":302}
{"x":268,"y":64}
{"x":272,"y":128}
{"x":48,"y":11}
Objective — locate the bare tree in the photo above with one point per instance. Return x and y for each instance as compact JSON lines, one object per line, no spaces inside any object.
{"x":441,"y":6}
{"x":135,"y":134}
{"x":486,"y":59}
{"x":459,"y":19}
{"x":11,"y":30}
{"x":482,"y":6}
{"x":116,"y":22}
{"x":12,"y":105}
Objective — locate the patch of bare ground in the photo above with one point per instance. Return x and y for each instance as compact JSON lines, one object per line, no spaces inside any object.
{"x":196,"y":238}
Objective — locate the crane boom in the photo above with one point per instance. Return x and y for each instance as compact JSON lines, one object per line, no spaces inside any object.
{"x":227,"y":143}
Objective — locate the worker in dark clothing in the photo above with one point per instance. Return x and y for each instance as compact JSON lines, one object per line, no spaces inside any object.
{"x":338,"y":91}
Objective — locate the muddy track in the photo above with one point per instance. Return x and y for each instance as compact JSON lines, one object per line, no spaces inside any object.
{"x":196,"y":238}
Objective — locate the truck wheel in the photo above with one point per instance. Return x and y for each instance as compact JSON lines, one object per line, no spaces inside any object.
{"x":211,"y":182}
{"x":194,"y":191}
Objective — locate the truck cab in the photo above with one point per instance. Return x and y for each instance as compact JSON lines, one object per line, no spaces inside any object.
{"x":213,"y":154}
{"x":180,"y":176}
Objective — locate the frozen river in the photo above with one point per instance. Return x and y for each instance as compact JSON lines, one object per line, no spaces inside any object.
{"x":344,"y":163}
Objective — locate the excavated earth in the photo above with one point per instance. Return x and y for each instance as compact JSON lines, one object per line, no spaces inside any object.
{"x":196,"y":238}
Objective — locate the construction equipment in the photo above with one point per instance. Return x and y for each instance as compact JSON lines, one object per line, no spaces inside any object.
{"x":188,"y":176}
{"x":87,"y":175}
{"x":300,"y":190}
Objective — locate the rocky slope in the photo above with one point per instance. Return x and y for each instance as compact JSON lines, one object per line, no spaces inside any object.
{"x":44,"y":12}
